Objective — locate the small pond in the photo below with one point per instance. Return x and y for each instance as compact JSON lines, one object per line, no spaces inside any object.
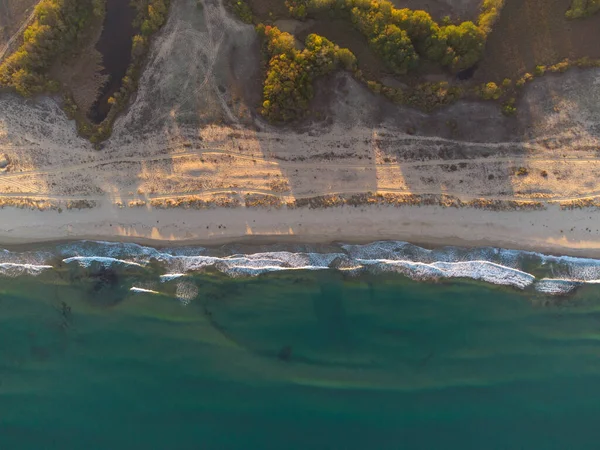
{"x":115,"y":47}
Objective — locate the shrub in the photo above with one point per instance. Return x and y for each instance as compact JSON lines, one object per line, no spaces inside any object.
{"x":560,"y":67}
{"x":489,"y":91}
{"x":465,"y":45}
{"x":522,"y":171}
{"x":347,"y":59}
{"x":582,"y":8}
{"x":374,"y":86}
{"x":524,"y":79}
{"x":490,"y":12}
{"x":242,"y":11}
{"x":509,"y":108}
{"x":395,"y":47}
{"x":297,"y":8}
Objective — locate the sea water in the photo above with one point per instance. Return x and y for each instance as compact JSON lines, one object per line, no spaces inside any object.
{"x":380,"y":346}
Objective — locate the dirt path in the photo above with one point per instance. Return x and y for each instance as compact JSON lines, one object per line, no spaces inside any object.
{"x":4,"y":50}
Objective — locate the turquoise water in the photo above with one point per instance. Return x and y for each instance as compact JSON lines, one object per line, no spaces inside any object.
{"x":296,"y":358}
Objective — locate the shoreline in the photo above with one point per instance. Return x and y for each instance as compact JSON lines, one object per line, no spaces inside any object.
{"x":550,"y":231}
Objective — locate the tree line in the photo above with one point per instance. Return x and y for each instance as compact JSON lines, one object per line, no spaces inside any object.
{"x":402,"y":36}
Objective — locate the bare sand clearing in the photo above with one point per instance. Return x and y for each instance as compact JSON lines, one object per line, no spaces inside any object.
{"x":192,"y":133}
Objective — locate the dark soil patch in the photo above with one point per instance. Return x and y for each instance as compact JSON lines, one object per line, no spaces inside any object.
{"x":438,"y":9}
{"x":246,"y":89}
{"x":342,"y":33}
{"x":262,"y":8}
{"x":535,"y":32}
{"x":81,"y":71}
{"x":115,"y":47}
{"x":466,"y":74}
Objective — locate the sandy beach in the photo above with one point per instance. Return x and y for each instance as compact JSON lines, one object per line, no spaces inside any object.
{"x":549,"y":231}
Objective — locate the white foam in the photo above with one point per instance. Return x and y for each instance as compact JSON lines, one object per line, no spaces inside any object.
{"x":492,"y":265}
{"x":186,"y":292}
{"x":555,"y":286}
{"x":15,"y":269}
{"x":476,"y":270}
{"x":171,"y":276}
{"x":142,"y":290}
{"x":86,"y":261}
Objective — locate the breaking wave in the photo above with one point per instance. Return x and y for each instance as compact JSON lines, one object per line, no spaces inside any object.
{"x":554,"y":275}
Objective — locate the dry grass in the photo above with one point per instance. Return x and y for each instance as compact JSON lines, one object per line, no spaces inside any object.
{"x":536,"y":32}
{"x":398,"y":200}
{"x":195,"y":202}
{"x":45,"y":205}
{"x":581,"y":204}
{"x":356,"y":200}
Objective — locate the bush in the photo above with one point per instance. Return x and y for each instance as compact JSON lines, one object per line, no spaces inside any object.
{"x":395,"y":47}
{"x":509,"y":108}
{"x":465,"y":45}
{"x":522,"y":171}
{"x":241,"y":9}
{"x":524,"y":79}
{"x":489,"y":91}
{"x":539,"y":71}
{"x":582,"y":8}
{"x":490,"y":12}
{"x":297,"y":8}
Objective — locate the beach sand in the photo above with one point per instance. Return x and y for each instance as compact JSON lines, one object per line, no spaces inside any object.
{"x":549,"y":231}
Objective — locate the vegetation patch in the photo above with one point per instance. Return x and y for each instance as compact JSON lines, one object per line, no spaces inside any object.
{"x":288,"y":86}
{"x":196,"y":202}
{"x":241,"y":9}
{"x":583,"y":203}
{"x":46,"y":204}
{"x":582,"y":8}
{"x":402,"y":36}
{"x":56,"y":28}
{"x":60,"y":25}
{"x":399,"y":200}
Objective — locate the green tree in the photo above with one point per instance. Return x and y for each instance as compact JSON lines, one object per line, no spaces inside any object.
{"x":395,"y":47}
